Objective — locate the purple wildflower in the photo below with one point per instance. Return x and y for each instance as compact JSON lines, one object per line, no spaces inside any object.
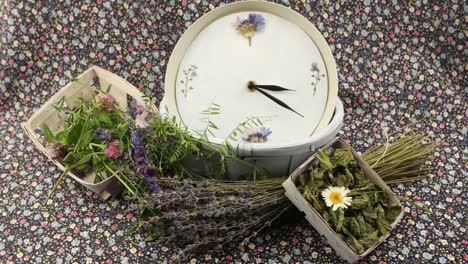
{"x":248,"y":27}
{"x":102,"y":134}
{"x":113,"y":150}
{"x":142,"y":115}
{"x":257,"y":136}
{"x":139,"y":149}
{"x":105,"y":102}
{"x":137,"y":109}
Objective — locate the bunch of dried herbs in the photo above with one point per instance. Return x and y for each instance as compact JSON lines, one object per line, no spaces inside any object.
{"x":402,"y":157}
{"x":370,"y":213}
{"x":204,"y":214}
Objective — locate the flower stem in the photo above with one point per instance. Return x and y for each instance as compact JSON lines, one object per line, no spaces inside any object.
{"x":55,"y":186}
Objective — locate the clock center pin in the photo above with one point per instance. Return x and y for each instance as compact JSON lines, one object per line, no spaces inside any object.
{"x":250,"y":85}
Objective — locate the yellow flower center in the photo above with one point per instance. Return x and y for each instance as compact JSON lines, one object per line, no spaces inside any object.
{"x":247,"y":30}
{"x":336,"y":197}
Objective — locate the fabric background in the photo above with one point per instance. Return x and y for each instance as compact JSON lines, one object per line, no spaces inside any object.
{"x":398,"y":61}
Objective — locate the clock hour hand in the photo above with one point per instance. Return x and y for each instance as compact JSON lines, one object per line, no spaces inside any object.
{"x":278,"y":101}
{"x":253,"y":85}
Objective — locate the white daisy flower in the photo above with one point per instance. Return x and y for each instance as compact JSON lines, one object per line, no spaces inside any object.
{"x":336,"y":197}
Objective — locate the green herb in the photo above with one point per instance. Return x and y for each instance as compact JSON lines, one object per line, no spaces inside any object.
{"x":339,"y":168}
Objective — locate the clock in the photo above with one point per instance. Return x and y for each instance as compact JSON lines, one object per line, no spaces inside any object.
{"x":252,"y":60}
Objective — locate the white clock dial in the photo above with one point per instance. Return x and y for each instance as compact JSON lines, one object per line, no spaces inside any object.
{"x":219,"y":62}
{"x":257,"y":41}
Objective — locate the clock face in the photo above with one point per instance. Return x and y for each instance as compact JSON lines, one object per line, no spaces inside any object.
{"x":260,"y":47}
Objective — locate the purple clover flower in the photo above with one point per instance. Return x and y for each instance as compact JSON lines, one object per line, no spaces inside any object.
{"x":113,"y":149}
{"x":257,"y":136}
{"x":105,"y":102}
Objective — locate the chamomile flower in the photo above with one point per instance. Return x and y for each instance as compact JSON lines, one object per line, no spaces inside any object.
{"x":336,"y":197}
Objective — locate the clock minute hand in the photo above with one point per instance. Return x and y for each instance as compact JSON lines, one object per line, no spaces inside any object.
{"x":269,"y":87}
{"x":278,"y":101}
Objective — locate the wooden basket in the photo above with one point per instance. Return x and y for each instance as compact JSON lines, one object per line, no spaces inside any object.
{"x":73,"y":92}
{"x":316,"y":220}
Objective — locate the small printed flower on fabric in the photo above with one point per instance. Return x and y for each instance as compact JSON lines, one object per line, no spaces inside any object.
{"x":336,"y":197}
{"x":113,"y":149}
{"x":105,"y":102}
{"x":257,"y":136}
{"x":248,"y":27}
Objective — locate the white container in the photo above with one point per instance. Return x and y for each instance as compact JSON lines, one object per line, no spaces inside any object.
{"x":73,"y":92}
{"x":316,"y":220}
{"x":280,"y":160}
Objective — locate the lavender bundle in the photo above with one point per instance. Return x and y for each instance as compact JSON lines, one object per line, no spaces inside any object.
{"x":210,"y":213}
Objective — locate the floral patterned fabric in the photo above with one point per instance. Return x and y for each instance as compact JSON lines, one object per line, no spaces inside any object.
{"x":398,"y":62}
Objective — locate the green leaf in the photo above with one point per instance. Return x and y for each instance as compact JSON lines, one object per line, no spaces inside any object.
{"x":341,"y":218}
{"x":354,"y":226}
{"x":324,"y":158}
{"x":61,"y":136}
{"x":86,"y":138}
{"x":86,"y":156}
{"x":122,"y":129}
{"x":369,"y":213}
{"x":47,"y":133}
{"x":104,"y":117}
{"x":369,"y":239}
{"x":359,"y":202}
{"x":74,"y":134}
{"x":212,"y":125}
{"x":355,"y":245}
{"x":393,"y":212}
{"x":343,"y":157}
{"x":383,"y":226}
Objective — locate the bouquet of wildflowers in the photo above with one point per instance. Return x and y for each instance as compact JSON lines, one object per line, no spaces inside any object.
{"x":135,"y":145}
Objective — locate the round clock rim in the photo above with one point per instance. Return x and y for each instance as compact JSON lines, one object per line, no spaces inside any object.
{"x":192,"y":32}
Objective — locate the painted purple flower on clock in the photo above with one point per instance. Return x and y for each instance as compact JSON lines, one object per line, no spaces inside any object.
{"x":248,"y":27}
{"x":258,"y":135}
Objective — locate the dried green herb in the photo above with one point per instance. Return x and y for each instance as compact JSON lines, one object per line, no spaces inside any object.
{"x":370,"y":214}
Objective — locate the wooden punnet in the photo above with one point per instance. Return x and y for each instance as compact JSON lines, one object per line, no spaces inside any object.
{"x":73,"y":92}
{"x":316,"y":220}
